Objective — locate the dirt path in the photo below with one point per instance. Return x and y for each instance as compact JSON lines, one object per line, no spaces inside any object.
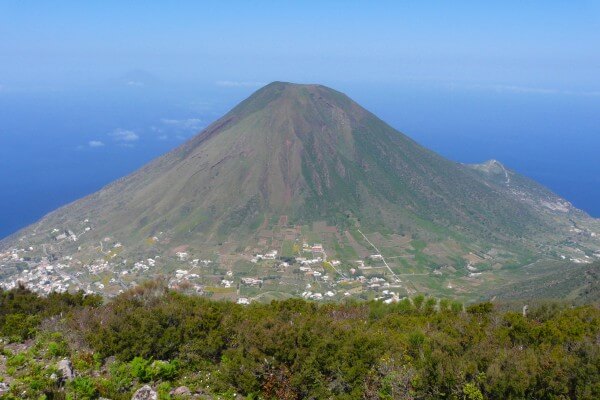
{"x":382,"y":257}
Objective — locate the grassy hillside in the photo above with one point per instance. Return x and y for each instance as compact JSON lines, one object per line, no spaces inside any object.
{"x":304,"y":151}
{"x":553,"y":280}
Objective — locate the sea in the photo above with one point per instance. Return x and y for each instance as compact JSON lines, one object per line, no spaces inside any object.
{"x":60,"y":144}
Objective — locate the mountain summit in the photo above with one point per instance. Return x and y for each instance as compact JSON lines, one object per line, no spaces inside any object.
{"x":307,"y":152}
{"x":304,"y":163}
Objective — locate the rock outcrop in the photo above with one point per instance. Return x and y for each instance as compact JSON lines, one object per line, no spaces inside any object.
{"x":65,"y":368}
{"x":145,"y":393}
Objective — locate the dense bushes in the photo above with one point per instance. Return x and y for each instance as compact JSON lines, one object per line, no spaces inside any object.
{"x":420,"y":349}
{"x":21,"y":310}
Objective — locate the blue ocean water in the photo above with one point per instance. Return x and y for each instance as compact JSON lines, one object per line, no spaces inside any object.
{"x":59,"y":145}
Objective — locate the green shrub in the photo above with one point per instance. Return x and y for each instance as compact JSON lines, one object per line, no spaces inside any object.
{"x":17,"y":360}
{"x":19,"y":327}
{"x":472,"y":392}
{"x":140,"y":369}
{"x":121,"y":378}
{"x":147,"y":370}
{"x":82,"y":388}
{"x":296,"y":349}
{"x":58,"y":349}
{"x":164,"y":390}
{"x":163,"y":370}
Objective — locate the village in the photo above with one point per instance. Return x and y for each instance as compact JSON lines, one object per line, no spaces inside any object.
{"x":314,"y":276}
{"x":316,"y":263}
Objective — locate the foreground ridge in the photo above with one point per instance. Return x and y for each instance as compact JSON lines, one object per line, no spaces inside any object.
{"x":151,"y":341}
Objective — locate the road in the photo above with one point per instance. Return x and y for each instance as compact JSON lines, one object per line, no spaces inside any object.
{"x":382,"y":257}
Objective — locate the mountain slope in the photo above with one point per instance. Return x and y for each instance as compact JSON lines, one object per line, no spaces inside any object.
{"x":577,"y":283}
{"x":307,"y":152}
{"x":299,"y":155}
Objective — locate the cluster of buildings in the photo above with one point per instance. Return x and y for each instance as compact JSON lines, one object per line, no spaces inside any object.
{"x":196,"y":262}
{"x":312,"y":261}
{"x":42,"y":278}
{"x":13,"y":255}
{"x":68,"y":234}
{"x":252,"y":281}
{"x":226,"y":283}
{"x":388,"y":297}
{"x":271,"y":255}
{"x":317,"y":295}
{"x":104,"y":274}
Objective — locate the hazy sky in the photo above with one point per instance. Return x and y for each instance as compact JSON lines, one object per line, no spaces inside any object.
{"x":520,"y":45}
{"x":92,"y":90}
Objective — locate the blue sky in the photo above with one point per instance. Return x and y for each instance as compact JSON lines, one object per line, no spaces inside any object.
{"x":90,"y":91}
{"x":537,"y":45}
